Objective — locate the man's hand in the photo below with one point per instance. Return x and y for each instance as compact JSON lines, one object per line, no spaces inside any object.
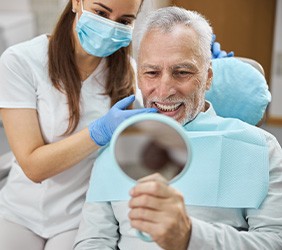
{"x":159,"y":210}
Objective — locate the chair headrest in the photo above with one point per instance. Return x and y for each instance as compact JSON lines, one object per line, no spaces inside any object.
{"x":238,"y":90}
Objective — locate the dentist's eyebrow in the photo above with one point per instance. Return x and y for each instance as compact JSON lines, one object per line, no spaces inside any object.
{"x":129,"y":16}
{"x":104,"y":6}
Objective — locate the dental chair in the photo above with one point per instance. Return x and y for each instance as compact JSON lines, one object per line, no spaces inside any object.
{"x":252,"y":62}
{"x":239,"y":90}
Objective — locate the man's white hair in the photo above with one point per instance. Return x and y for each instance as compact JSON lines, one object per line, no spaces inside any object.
{"x":164,"y":20}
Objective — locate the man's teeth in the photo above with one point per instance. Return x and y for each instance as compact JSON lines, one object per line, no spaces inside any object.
{"x":167,"y":108}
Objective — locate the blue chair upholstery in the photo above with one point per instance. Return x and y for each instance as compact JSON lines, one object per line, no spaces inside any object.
{"x":239,"y":90}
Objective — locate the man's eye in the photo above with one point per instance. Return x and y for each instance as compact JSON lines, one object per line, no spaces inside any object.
{"x":151,"y":73}
{"x":182,"y":73}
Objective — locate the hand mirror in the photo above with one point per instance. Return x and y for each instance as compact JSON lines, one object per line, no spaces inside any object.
{"x":149,"y":143}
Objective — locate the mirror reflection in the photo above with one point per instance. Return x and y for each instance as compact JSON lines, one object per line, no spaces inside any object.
{"x":151,"y":146}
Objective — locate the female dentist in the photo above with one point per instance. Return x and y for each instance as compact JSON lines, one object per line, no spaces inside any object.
{"x":61,"y":98}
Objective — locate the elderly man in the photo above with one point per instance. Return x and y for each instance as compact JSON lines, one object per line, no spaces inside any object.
{"x":174,"y":72}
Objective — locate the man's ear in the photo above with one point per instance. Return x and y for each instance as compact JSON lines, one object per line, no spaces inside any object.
{"x":209,"y":79}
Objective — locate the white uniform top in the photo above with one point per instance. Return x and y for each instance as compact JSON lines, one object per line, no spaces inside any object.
{"x":54,"y":205}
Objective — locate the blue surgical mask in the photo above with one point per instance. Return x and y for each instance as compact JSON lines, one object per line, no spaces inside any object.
{"x":100,"y":36}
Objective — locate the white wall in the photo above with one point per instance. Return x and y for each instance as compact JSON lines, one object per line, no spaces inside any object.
{"x":275,"y":109}
{"x":47,"y":13}
{"x":17,"y":22}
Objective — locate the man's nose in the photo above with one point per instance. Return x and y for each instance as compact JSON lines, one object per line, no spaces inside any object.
{"x":166,"y":86}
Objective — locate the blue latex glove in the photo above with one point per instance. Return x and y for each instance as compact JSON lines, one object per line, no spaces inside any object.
{"x":102,"y":129}
{"x":217,"y":52}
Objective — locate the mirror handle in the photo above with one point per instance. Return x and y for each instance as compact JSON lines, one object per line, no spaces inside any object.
{"x":144,"y":236}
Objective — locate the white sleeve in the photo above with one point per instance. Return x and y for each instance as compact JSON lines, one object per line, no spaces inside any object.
{"x":265,"y":223}
{"x":17,"y":88}
{"x":98,"y":228}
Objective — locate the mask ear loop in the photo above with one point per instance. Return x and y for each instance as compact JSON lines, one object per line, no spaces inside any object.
{"x":82,"y":9}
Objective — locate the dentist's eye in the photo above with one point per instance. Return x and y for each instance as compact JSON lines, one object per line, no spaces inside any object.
{"x":126,"y":21}
{"x":101,"y":13}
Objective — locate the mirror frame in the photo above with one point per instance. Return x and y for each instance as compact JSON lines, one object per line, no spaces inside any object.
{"x":152,"y":117}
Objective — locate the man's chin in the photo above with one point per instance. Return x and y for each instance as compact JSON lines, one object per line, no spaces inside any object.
{"x":175,"y":116}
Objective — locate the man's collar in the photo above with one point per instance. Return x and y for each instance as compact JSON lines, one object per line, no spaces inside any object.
{"x":210,"y":110}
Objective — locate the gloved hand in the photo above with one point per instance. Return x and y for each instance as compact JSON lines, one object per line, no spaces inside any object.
{"x":217,"y":52}
{"x":102,"y":129}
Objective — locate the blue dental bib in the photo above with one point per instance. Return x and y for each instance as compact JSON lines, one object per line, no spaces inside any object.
{"x":229,"y":167}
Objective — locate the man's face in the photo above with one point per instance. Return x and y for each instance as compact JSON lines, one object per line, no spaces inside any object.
{"x":171,"y":73}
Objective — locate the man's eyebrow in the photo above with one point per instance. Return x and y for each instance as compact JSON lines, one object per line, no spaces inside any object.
{"x":150,"y":66}
{"x":183,"y":65}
